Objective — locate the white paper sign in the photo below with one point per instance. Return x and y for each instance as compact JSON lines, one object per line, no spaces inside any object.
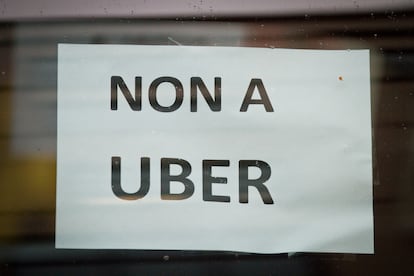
{"x":214,"y":148}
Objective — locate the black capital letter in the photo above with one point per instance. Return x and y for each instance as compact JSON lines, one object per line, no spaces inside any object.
{"x":215,"y":105}
{"x":179,"y":94}
{"x":118,"y":81}
{"x":208,"y":180}
{"x":245,"y":182}
{"x":166,"y":178}
{"x":116,"y":179}
{"x":264,"y":99}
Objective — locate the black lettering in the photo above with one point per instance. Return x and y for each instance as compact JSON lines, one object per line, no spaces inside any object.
{"x":167,"y":178}
{"x":116,"y":179}
{"x":208,"y":180}
{"x":245,"y":182}
{"x":179,"y":94}
{"x":116,"y":82}
{"x":264,"y":98}
{"x":214,"y":104}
